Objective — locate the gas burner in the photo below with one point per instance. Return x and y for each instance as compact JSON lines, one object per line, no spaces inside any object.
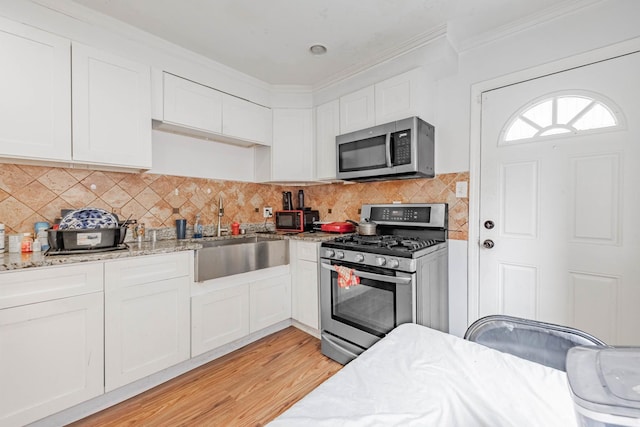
{"x":383,"y":244}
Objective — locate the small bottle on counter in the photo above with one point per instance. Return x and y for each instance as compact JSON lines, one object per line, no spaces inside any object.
{"x":41,"y":235}
{"x":15,"y":241}
{"x":235,"y":228}
{"x":1,"y":238}
{"x":197,"y":228}
{"x":27,"y":243}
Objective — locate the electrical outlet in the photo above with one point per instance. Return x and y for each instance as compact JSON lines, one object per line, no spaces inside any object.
{"x":267,"y":212}
{"x":462,"y":189}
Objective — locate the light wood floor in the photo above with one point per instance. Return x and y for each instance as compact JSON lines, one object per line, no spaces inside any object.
{"x":248,"y":387}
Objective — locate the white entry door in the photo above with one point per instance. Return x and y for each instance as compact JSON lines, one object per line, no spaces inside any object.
{"x":560,"y":200}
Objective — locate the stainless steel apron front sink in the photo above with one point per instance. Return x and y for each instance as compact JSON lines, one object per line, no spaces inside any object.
{"x":220,"y":258}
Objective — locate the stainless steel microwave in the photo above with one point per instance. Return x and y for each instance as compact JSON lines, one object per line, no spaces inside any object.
{"x":396,"y":150}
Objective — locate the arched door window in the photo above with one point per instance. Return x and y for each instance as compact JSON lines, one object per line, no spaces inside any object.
{"x":561,"y":114}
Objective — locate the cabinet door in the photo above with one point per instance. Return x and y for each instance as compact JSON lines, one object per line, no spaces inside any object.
{"x":269,"y":302}
{"x":304,"y":283}
{"x":305,"y":290}
{"x":51,"y":357}
{"x":191,"y":104}
{"x":327,"y":128}
{"x":35,"y":93}
{"x":111,"y":109}
{"x":397,"y":98}
{"x":357,"y":110}
{"x":292,"y":147}
{"x":219,"y":317}
{"x":246,"y":120}
{"x":146,"y":316}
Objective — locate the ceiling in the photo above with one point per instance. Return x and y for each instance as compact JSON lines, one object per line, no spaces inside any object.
{"x":270,"y":39}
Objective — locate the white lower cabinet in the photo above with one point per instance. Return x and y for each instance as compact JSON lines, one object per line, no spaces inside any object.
{"x":219,"y":317}
{"x":227,"y":309}
{"x":146,"y":316}
{"x":304,"y":283}
{"x":269,"y":302}
{"x":51,"y":341}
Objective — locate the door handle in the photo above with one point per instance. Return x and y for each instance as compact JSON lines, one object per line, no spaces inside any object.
{"x":374,"y":276}
{"x":488,"y":244}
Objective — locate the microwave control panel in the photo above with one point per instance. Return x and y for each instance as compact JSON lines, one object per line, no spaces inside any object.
{"x":401,"y":147}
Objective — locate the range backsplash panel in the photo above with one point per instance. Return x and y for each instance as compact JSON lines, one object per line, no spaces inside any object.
{"x":36,"y":193}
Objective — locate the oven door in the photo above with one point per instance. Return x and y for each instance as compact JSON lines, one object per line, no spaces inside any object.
{"x":364,"y":313}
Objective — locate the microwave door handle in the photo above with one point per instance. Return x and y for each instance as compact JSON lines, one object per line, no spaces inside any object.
{"x":387,"y":143}
{"x":374,"y":276}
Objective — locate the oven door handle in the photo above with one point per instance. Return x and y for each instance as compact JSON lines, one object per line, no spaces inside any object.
{"x":374,"y":276}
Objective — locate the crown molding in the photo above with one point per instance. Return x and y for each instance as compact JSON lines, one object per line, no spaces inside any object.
{"x":557,"y":11}
{"x":387,"y":55}
{"x":133,"y":34}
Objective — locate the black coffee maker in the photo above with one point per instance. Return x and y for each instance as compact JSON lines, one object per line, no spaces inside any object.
{"x":287,"y":201}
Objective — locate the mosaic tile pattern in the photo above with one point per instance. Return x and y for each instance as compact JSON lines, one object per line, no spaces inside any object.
{"x":33,"y":193}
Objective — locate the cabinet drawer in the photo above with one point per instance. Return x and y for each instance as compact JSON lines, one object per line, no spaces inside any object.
{"x":41,"y":284}
{"x":136,"y":271}
{"x":307,"y":251}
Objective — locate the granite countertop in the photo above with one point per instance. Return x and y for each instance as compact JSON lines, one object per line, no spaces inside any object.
{"x":16,"y":261}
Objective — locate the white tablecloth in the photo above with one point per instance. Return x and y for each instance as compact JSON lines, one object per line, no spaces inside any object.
{"x":418,"y":376}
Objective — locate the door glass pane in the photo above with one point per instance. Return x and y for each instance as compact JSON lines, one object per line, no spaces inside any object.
{"x":597,"y":117}
{"x":541,"y":114}
{"x":520,"y":130}
{"x":569,"y":106}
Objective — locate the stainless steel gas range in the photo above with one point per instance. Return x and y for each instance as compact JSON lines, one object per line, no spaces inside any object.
{"x":371,"y":284}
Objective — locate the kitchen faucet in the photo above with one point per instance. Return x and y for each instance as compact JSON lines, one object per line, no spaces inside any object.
{"x":220,"y":215}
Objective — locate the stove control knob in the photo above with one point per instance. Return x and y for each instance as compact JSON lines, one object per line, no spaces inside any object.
{"x":393,"y":263}
{"x":340,"y":255}
{"x":329,"y":253}
{"x":381,"y":261}
{"x":359,"y":258}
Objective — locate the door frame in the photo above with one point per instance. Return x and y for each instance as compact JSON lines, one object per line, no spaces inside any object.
{"x":475,"y":140}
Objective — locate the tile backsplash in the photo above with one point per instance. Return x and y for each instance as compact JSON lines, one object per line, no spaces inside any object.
{"x":35,"y":193}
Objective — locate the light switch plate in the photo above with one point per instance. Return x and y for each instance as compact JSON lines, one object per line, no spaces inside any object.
{"x":462,"y":189}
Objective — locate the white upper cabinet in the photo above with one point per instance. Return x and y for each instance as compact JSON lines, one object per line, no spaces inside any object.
{"x":35,"y":88}
{"x":104,"y":120}
{"x":245,"y":120}
{"x":290,"y":157}
{"x":357,"y":110}
{"x":396,"y":98}
{"x":327,"y":128}
{"x":184,"y":106}
{"x":111,"y":109}
{"x":192,"y":104}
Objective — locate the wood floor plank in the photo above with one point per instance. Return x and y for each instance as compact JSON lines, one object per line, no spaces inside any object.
{"x":248,"y":387}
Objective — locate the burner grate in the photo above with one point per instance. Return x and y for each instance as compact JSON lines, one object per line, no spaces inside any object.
{"x":388,"y":242}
